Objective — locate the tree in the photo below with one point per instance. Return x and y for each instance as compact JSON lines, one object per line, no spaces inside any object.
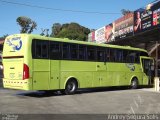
{"x":125,"y":11}
{"x":73,"y":31}
{"x":56,"y":28}
{"x":27,"y":25}
{"x":4,"y":36}
{"x":92,"y":30}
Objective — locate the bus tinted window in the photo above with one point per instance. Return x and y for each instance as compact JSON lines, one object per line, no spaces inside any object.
{"x":65,"y":51}
{"x":82,"y":52}
{"x":144,"y":54}
{"x":33,"y":49}
{"x":44,"y":49}
{"x":74,"y":51}
{"x":119,"y":55}
{"x":137,"y":57}
{"x":100,"y":54}
{"x":107,"y":56}
{"x":40,"y":49}
{"x":125,"y":54}
{"x":132,"y":57}
{"x":55,"y":50}
{"x":91,"y":53}
{"x":113,"y":55}
{"x":116,"y":55}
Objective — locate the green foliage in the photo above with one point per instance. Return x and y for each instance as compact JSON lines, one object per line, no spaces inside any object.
{"x":124,"y":11}
{"x":72,"y":31}
{"x":26,"y":24}
{"x":4,"y":36}
{"x":56,"y":28}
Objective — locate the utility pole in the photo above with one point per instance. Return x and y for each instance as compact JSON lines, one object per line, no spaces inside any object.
{"x":156,"y":60}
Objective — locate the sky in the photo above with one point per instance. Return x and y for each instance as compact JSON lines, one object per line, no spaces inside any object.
{"x":45,"y":18}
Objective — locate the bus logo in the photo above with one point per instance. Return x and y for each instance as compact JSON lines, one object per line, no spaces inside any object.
{"x":15,"y":43}
{"x":131,"y":66}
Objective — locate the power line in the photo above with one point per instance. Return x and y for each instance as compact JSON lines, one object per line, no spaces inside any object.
{"x":55,"y":9}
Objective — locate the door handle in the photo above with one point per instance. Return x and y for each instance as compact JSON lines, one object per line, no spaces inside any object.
{"x":98,"y":66}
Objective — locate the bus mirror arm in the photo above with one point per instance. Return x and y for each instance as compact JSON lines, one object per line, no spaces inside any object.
{"x":152,"y":66}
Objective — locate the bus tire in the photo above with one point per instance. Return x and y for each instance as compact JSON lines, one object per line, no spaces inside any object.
{"x":134,"y":83}
{"x":71,"y":87}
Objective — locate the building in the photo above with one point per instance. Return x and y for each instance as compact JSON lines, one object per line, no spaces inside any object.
{"x":140,"y":28}
{"x":1,"y":44}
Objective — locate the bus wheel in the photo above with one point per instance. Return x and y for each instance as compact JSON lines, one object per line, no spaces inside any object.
{"x":134,"y":83}
{"x":71,"y":87}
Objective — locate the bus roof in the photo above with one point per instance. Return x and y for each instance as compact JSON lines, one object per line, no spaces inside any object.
{"x":35,"y":36}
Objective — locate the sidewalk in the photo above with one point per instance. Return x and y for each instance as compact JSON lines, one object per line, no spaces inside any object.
{"x":149,"y":89}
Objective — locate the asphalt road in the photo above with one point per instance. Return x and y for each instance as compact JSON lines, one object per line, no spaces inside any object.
{"x":101,"y":101}
{"x":85,"y":102}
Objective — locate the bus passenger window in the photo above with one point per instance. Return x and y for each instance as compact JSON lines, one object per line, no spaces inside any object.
{"x":112,"y":55}
{"x":74,"y":51}
{"x":33,"y":48}
{"x":107,"y":55}
{"x":44,"y":49}
{"x":131,"y":57}
{"x":125,"y":54}
{"x":66,"y":51}
{"x":137,"y":58}
{"x":100,"y":55}
{"x":91,"y":53}
{"x":119,"y":55}
{"x":55,"y":50}
{"x":38,"y":49}
{"x":82,"y":52}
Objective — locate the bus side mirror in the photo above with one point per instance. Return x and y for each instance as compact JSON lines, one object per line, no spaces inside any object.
{"x":152,"y":66}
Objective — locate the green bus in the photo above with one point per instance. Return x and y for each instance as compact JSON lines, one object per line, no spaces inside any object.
{"x":34,"y":62}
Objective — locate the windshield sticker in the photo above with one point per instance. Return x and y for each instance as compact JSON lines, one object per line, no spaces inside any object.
{"x":15,"y":43}
{"x":130,"y":66}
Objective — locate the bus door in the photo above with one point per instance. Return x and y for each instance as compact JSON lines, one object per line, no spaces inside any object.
{"x":55,"y":65}
{"x":55,"y":79}
{"x":41,"y":65}
{"x":146,"y":64}
{"x":100,"y":74}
